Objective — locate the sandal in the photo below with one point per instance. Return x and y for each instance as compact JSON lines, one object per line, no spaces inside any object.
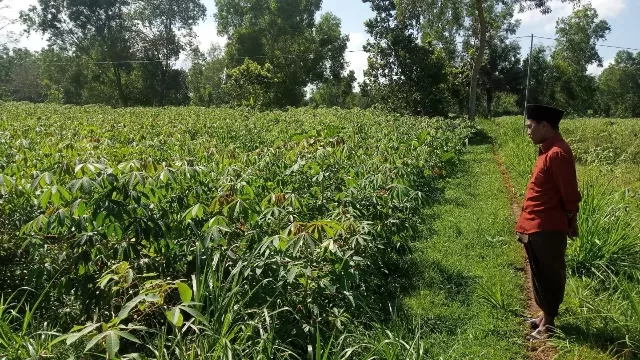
{"x":533,"y":323}
{"x":538,"y":335}
{"x":542,"y":333}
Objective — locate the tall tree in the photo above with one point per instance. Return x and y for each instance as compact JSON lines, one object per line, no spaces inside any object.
{"x":336,"y":92}
{"x":64,"y":76}
{"x":113,"y":36}
{"x":405,"y":74}
{"x":576,"y":49}
{"x":20,"y":75}
{"x":455,"y":16}
{"x":164,"y":30}
{"x":285,"y":35}
{"x":541,"y":81}
{"x":501,"y":71}
{"x":206,"y":77}
{"x":619,"y":87}
{"x":577,"y":37}
{"x":98,"y":30}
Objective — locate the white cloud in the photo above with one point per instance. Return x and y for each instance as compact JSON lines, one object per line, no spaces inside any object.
{"x":609,"y":9}
{"x":595,"y":70}
{"x":545,"y":24}
{"x":357,"y":58}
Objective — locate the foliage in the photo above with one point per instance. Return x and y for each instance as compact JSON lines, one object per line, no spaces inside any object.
{"x":106,"y":36}
{"x":19,"y":75}
{"x":6,"y":36}
{"x":619,"y":90}
{"x":473,"y":20}
{"x":502,"y":70}
{"x":211,"y":231}
{"x":251,"y":85}
{"x":206,"y":77}
{"x":608,"y":242}
{"x":285,"y":35}
{"x":404,"y":75}
{"x":338,"y":92}
{"x":575,"y":50}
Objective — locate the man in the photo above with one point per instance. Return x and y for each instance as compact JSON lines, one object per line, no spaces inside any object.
{"x":549,"y":214}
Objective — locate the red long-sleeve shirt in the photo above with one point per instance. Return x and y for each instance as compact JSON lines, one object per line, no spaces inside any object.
{"x":552,"y":192}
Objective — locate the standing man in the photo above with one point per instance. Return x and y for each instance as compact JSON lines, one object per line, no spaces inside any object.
{"x":549,"y":214}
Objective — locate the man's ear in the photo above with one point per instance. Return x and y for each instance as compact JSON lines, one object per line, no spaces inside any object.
{"x":545,"y":126}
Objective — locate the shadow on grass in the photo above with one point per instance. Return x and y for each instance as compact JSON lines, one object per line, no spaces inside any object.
{"x":456,"y":286}
{"x":480,"y":137}
{"x":606,"y":340}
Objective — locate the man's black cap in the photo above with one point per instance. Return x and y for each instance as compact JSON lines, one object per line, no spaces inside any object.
{"x":544,"y":113}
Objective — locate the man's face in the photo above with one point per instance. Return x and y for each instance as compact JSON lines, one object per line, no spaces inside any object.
{"x":536,"y":131}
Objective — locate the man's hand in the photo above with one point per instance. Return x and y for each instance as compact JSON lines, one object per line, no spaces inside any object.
{"x":573,"y":227}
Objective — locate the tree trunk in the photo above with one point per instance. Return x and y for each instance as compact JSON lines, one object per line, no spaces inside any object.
{"x":490,"y":102}
{"x":118,"y":78}
{"x":478,"y":60}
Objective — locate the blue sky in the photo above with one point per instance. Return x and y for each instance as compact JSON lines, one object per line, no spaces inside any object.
{"x":621,"y":14}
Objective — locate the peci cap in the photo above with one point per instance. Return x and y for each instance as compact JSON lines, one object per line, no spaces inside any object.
{"x":544,"y":113}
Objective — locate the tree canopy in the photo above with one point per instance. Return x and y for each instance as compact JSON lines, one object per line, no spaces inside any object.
{"x":425,"y":57}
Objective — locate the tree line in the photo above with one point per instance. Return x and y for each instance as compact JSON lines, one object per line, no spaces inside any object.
{"x":425,"y":57}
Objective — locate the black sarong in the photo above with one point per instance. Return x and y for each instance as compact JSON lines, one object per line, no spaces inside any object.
{"x":546,"y":252}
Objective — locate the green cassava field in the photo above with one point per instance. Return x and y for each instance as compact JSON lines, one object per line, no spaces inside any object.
{"x":190,"y":233}
{"x":196,"y":233}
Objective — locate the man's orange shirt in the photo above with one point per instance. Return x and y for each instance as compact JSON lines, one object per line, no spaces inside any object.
{"x":552,"y":192}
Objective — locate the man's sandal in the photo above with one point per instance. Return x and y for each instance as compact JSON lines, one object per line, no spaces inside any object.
{"x":533,"y":323}
{"x":538,"y":335}
{"x":541,"y":334}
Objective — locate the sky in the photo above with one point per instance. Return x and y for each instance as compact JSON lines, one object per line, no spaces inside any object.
{"x":621,"y":15}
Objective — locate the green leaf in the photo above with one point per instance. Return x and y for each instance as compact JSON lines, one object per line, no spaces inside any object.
{"x":78,"y":169}
{"x":47,"y":179}
{"x":6,"y":183}
{"x":112,"y":344}
{"x":93,"y":341}
{"x":44,"y":199}
{"x":64,"y":193}
{"x":73,"y":337}
{"x":114,"y":230}
{"x":175,"y":316}
{"x":152,"y":298}
{"x":124,"y":312}
{"x":79,"y":208}
{"x":195,"y":313}
{"x":55,"y":195}
{"x":135,"y":356}
{"x":197,"y":211}
{"x":185,"y":292}
{"x":126,"y":335}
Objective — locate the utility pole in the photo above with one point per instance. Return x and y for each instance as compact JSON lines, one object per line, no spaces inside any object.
{"x":526,"y":98}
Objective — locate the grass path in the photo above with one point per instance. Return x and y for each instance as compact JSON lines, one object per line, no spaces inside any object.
{"x":470,"y":285}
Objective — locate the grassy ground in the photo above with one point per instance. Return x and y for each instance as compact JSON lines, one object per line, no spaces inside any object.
{"x":600,"y":318}
{"x":470,"y":282}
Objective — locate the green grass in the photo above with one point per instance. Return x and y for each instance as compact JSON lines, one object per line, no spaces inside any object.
{"x":599,"y":317}
{"x":470,"y":284}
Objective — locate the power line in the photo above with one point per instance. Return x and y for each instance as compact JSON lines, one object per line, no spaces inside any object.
{"x":600,"y":45}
